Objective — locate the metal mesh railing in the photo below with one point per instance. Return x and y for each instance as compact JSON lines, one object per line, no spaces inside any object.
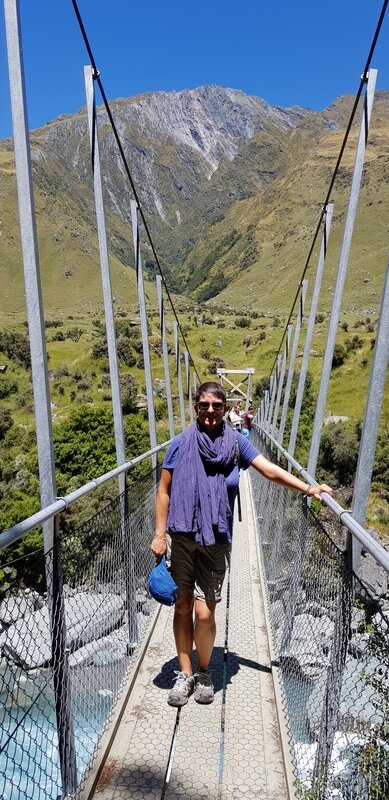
{"x":331,"y":640}
{"x":58,"y":691}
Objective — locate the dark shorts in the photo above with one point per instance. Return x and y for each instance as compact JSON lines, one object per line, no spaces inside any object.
{"x":198,"y":569}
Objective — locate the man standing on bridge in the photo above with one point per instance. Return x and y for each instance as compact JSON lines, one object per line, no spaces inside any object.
{"x":194,"y":513}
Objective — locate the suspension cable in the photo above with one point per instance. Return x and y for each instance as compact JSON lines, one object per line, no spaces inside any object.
{"x":96,"y":76}
{"x":362,"y":82}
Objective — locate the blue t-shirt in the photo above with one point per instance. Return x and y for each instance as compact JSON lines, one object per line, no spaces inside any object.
{"x":247,"y":452}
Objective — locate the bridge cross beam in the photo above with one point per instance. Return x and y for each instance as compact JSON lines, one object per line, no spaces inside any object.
{"x":236,"y":387}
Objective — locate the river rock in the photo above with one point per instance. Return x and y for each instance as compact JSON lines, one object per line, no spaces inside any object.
{"x":309,"y":645}
{"x":88,"y":617}
{"x":360,"y":701}
{"x":18,"y":605}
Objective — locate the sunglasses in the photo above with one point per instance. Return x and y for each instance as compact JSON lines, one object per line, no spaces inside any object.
{"x":205,"y":406}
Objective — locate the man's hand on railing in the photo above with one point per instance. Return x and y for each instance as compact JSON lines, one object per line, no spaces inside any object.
{"x":315,"y":491}
{"x":158,"y":545}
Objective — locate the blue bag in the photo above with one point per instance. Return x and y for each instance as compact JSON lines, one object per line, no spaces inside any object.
{"x":161,"y":584}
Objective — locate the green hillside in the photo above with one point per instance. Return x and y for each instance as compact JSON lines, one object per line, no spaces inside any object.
{"x":234,"y":255}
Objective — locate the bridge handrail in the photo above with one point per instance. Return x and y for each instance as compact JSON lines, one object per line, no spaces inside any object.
{"x":19,"y":530}
{"x":375,"y":549}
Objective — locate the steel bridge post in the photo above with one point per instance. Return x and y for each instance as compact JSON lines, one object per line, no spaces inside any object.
{"x":169,"y":399}
{"x":41,"y":392}
{"x":128,"y":555}
{"x":265,"y":407}
{"x":310,"y":329}
{"x":281,"y":381}
{"x":270,"y":393}
{"x":371,"y":421}
{"x":249,"y":398}
{"x":273,"y":394}
{"x":179,"y":375}
{"x":293,"y":356}
{"x":342,"y":269}
{"x":144,"y":331}
{"x":105,"y":275}
{"x":188,"y":386}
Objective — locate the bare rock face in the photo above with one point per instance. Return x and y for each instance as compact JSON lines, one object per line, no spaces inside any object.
{"x":174,"y":142}
{"x":211,"y":120}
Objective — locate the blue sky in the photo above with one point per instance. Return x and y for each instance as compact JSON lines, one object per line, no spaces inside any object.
{"x":289,"y":53}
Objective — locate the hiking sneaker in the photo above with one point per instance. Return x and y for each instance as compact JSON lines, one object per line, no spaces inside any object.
{"x":181,"y":691}
{"x":204,"y":691}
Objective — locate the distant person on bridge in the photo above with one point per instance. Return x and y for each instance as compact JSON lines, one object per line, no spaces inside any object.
{"x":234,"y":416}
{"x":194,"y":513}
{"x":247,"y":420}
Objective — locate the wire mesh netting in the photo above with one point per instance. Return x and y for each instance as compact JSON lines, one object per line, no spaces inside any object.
{"x":69,"y":638}
{"x":331,"y":640}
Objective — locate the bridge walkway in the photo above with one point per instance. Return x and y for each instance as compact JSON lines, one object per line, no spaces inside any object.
{"x":230,"y":749}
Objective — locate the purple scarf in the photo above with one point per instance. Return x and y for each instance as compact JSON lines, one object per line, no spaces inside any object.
{"x":199,"y":500}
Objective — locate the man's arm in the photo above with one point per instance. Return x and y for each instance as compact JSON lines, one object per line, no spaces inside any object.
{"x":158,"y":545}
{"x":281,"y":476}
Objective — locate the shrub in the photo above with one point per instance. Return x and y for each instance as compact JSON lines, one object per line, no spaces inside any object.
{"x":77,"y":375}
{"x":243,"y":322}
{"x":338,"y":453}
{"x":53,"y":323}
{"x":339,"y":356}
{"x":74,"y":334}
{"x":128,"y":392}
{"x":16,"y":347}
{"x":106,"y":380}
{"x":125,"y":354}
{"x":7,"y":386}
{"x":6,"y":421}
{"x":84,"y":445}
{"x":100,"y":349}
{"x":84,"y":384}
{"x":353,"y":344}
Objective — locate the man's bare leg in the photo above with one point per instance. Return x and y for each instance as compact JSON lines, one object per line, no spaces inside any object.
{"x":183,"y":630}
{"x":204,"y":632}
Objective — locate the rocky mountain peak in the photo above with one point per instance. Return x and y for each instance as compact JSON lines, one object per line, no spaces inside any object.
{"x":212,"y":120}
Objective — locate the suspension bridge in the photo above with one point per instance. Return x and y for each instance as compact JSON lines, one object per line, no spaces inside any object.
{"x":301,"y":660}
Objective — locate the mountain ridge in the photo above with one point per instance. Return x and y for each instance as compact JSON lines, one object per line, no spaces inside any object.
{"x":197,"y":157}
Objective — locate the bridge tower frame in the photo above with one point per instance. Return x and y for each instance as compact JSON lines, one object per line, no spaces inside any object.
{"x":236,"y":387}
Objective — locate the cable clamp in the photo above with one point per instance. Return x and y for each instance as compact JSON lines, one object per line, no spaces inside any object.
{"x":365,"y":77}
{"x":65,"y":501}
{"x":95,"y":73}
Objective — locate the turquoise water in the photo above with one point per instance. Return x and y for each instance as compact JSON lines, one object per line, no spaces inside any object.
{"x":29,"y":762}
{"x":297,"y":692}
